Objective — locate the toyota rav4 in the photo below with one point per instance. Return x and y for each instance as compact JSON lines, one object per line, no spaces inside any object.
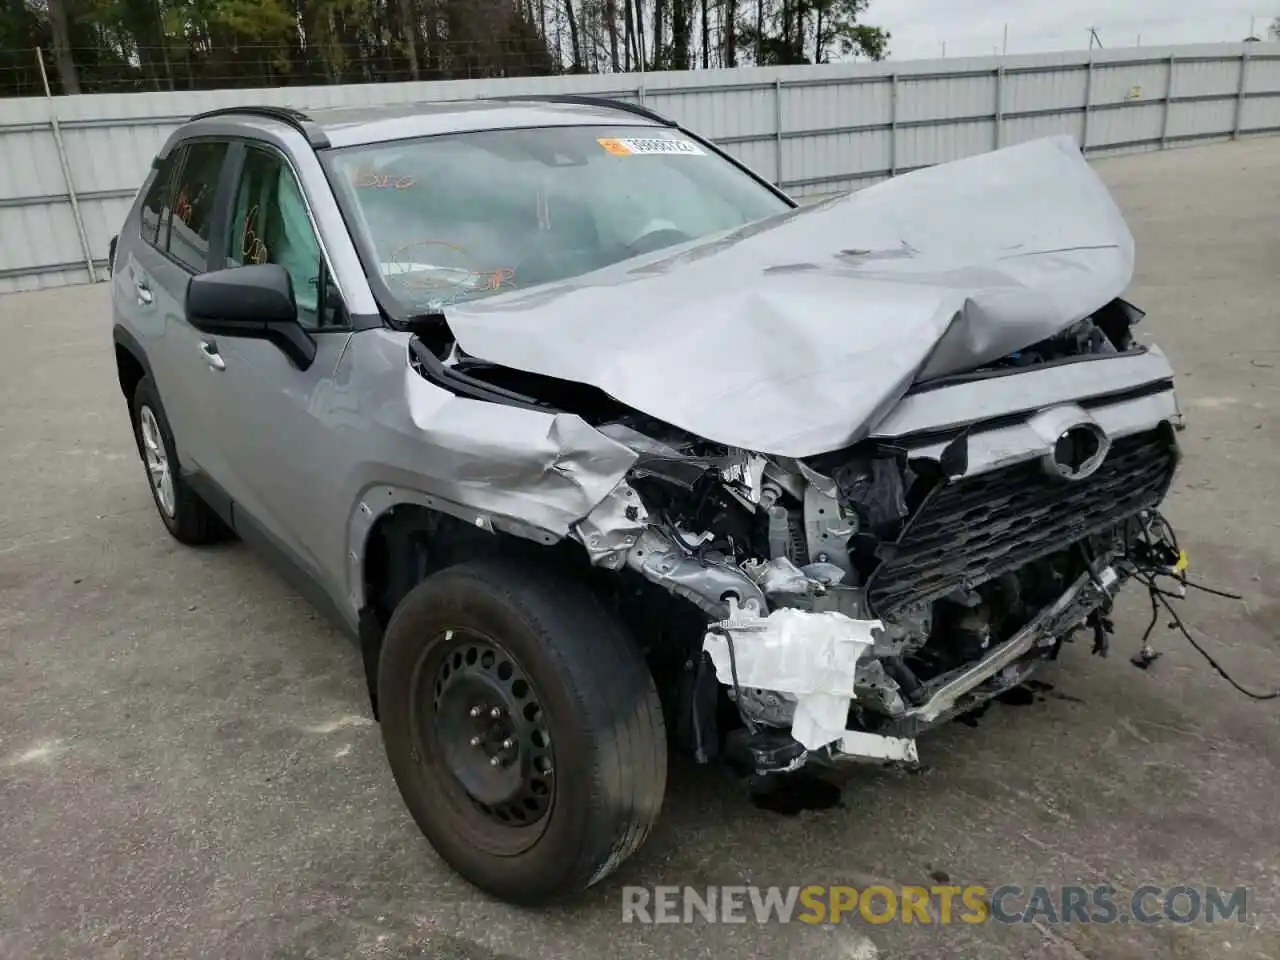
{"x":597,"y":443}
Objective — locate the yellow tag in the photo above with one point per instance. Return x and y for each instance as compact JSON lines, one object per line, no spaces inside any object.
{"x":1182,"y":562}
{"x":616,"y":147}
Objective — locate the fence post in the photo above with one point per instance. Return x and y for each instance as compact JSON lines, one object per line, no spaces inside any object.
{"x":1088,"y":102}
{"x":999,"y":104}
{"x":893,"y":124}
{"x":1168,"y":98}
{"x":1242,"y":88}
{"x":777,"y":131}
{"x":61,"y":149}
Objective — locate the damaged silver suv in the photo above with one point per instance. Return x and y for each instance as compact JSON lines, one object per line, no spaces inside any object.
{"x":598,"y":444}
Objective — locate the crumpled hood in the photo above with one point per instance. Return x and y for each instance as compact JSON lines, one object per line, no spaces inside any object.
{"x":795,"y":335}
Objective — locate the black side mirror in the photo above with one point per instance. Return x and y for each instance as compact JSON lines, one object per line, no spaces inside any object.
{"x":252,"y":301}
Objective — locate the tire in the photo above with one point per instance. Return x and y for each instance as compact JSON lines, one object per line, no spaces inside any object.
{"x":188,"y":518}
{"x":554,"y":646}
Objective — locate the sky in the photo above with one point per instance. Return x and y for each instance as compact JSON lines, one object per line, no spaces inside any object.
{"x":975,"y":27}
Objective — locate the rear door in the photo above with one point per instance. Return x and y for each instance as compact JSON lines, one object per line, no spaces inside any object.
{"x":179,"y":228}
{"x":135,"y":275}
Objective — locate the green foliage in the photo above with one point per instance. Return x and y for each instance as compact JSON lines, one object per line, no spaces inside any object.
{"x":260,"y":21}
{"x":809,"y":31}
{"x":137,"y":45}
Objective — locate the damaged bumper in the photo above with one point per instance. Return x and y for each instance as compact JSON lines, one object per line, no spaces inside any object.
{"x":809,"y":661}
{"x":990,"y":675}
{"x":810,"y":658}
{"x":854,"y":607}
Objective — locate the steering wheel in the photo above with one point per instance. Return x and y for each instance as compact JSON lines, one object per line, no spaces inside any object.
{"x":441,"y":278}
{"x":429,"y":279}
{"x":657,"y":240}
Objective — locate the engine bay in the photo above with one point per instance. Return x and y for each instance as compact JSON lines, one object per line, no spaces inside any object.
{"x":947,"y":567}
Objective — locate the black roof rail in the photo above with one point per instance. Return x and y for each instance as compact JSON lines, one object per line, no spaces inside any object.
{"x":294,"y":118}
{"x":587,"y":100}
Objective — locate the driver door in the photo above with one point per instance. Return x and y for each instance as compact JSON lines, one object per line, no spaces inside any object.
{"x":281,"y":459}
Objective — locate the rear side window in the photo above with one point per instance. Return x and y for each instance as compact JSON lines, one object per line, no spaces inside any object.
{"x":195,"y":187}
{"x":155,"y":208}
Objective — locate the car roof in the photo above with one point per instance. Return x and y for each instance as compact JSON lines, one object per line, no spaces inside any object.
{"x":350,"y":126}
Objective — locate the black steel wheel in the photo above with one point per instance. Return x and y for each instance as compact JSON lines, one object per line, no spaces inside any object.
{"x":522,"y":727}
{"x":487,"y":722}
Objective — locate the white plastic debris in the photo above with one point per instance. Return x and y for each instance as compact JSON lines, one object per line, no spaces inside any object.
{"x":812,"y":656}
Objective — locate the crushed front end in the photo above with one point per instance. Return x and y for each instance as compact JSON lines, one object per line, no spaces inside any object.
{"x":857,"y":598}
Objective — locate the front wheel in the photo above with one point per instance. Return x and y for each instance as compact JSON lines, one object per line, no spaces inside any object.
{"x":522,"y":727}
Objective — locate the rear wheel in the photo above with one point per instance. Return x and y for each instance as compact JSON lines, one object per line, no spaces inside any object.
{"x":188,"y":518}
{"x":522,"y":727}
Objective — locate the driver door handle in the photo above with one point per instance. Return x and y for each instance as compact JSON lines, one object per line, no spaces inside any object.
{"x":209,"y":350}
{"x":143,"y":291}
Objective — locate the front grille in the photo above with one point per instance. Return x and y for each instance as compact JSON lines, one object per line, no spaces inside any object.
{"x":977,"y":528}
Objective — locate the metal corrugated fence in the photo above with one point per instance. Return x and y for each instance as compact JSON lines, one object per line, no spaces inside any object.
{"x":69,"y":166}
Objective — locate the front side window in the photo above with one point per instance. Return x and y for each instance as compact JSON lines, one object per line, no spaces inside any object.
{"x":193,"y":196}
{"x":269,"y":224}
{"x":451,"y":218}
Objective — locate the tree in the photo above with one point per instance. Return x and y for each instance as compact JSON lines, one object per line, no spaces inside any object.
{"x":811,"y":31}
{"x":68,"y":76}
{"x":729,"y":31}
{"x":575,"y":45}
{"x":123,"y":45}
{"x":17,"y":55}
{"x":611,"y":22}
{"x":409,"y":32}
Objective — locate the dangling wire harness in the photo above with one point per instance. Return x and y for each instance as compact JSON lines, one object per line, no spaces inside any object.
{"x":1158,"y":554}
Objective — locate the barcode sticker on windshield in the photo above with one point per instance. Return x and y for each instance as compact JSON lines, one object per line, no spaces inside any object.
{"x":632,"y":146}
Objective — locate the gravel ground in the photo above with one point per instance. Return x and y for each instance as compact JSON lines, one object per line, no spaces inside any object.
{"x":188,"y":767}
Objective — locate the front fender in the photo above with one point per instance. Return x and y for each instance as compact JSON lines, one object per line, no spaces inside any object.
{"x":378,"y":501}
{"x":500,"y":468}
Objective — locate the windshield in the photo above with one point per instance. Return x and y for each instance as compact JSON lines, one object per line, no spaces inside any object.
{"x":452,"y":218}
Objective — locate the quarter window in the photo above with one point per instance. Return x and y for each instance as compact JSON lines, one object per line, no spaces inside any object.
{"x":156,"y":206}
{"x":189,"y":228}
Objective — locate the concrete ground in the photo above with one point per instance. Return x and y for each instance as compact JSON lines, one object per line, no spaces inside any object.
{"x":188,"y":767}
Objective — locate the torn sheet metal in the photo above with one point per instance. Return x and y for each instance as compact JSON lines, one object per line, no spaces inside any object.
{"x":503,"y":468}
{"x":613,"y":527}
{"x":546,"y":469}
{"x":793,"y":335}
{"x":812,"y":656}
